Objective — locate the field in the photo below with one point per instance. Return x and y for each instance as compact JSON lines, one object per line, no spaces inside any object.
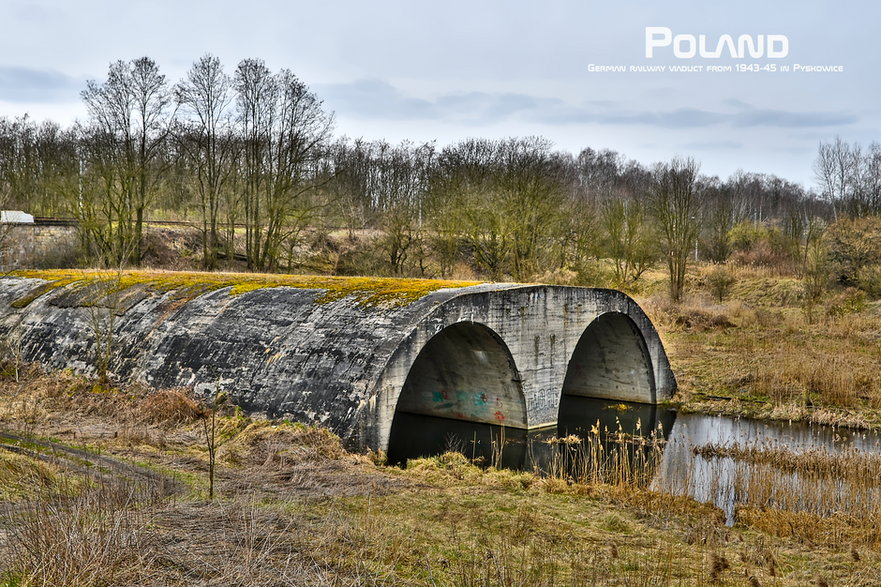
{"x":760,"y":353}
{"x":103,"y":485}
{"x":107,"y":486}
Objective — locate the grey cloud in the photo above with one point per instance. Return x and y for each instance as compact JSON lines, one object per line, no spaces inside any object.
{"x":698,"y":118}
{"x":22,"y":84}
{"x":748,"y":116}
{"x":679,"y":118}
{"x":780,"y":118}
{"x":375,"y":99}
{"x":488,"y":107}
{"x":711,"y":145}
{"x":379,"y":99}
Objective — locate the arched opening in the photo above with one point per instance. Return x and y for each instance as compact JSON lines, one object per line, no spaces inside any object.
{"x":610,"y":364}
{"x":462,"y":388}
{"x":609,"y":395}
{"x":611,"y":361}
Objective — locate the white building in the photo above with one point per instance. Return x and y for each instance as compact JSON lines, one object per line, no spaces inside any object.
{"x":15,"y":217}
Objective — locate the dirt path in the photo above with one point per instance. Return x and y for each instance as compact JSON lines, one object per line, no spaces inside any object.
{"x":91,"y":464}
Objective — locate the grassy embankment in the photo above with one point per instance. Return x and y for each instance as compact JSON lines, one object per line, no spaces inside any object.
{"x":756,"y":353}
{"x":120,"y":498}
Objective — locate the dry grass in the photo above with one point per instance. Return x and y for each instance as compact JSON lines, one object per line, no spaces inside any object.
{"x":271,"y":444}
{"x":94,"y":538}
{"x":21,"y":476}
{"x":170,"y":407}
{"x":297,"y":509}
{"x":607,"y":457}
{"x":758,"y":355}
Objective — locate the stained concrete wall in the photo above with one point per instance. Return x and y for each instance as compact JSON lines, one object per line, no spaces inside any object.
{"x":24,"y":245}
{"x":344,"y":364}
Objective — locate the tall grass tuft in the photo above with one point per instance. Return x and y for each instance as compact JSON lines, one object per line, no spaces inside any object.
{"x":609,"y":457}
{"x":98,"y":536}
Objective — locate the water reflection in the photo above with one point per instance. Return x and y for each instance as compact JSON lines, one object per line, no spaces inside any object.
{"x":578,"y":415}
{"x":784,"y":465}
{"x":415,"y":435}
{"x":714,"y":459}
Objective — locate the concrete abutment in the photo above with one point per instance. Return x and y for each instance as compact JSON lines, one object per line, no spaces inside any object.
{"x":495,"y":353}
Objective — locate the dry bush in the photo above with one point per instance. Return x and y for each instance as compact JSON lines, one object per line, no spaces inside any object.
{"x":764,"y":256}
{"x":844,"y":303}
{"x":557,"y":277}
{"x":445,"y":468}
{"x":794,"y":376}
{"x":268,"y":444}
{"x":170,"y":407}
{"x":696,"y":319}
{"x":695,"y":314}
{"x":75,"y":394}
{"x":95,"y":538}
{"x":719,"y":282}
{"x":463,"y":272}
{"x":172,"y":248}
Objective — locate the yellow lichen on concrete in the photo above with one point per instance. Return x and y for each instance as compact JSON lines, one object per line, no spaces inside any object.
{"x":370,"y":291}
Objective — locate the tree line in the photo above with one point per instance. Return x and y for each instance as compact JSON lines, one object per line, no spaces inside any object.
{"x":251,"y":157}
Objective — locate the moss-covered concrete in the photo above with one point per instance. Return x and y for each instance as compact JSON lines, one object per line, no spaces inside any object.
{"x":364,"y":290}
{"x":344,"y":352}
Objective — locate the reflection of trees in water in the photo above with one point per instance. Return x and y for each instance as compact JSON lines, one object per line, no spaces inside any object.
{"x":596,"y":443}
{"x":743,"y":466}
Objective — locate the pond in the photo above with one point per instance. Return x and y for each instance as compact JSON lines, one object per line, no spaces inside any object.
{"x":784,"y":465}
{"x":715,"y":459}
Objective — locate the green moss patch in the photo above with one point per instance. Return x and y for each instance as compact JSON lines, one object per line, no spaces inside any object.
{"x":366,"y":291}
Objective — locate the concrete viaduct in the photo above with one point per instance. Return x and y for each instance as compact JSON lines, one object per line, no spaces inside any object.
{"x":347,"y":353}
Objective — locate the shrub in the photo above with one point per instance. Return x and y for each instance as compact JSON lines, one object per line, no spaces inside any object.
{"x":854,"y":246}
{"x":719,"y":282}
{"x":743,"y":236}
{"x":767,"y":246}
{"x":849,"y":301}
{"x":170,"y":406}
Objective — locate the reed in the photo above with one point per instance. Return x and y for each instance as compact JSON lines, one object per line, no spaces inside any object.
{"x":820,"y":482}
{"x":608,"y":456}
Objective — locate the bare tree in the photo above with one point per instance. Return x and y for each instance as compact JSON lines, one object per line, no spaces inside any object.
{"x":675,"y":205}
{"x":285,"y":133}
{"x":530,"y":182}
{"x":130,"y":114}
{"x":205,"y":96}
{"x":4,"y":230}
{"x":866,"y":199}
{"x":834,"y":170}
{"x":255,"y":94}
{"x":718,"y":213}
{"x":629,"y":239}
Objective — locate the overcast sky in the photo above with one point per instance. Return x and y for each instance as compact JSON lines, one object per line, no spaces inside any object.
{"x":491,"y":68}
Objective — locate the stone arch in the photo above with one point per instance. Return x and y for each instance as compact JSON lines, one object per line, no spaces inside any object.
{"x":464,"y":372}
{"x":611,"y":361}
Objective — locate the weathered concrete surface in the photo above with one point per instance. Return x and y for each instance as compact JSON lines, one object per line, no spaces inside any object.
{"x":26,"y":244}
{"x":490,"y":353}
